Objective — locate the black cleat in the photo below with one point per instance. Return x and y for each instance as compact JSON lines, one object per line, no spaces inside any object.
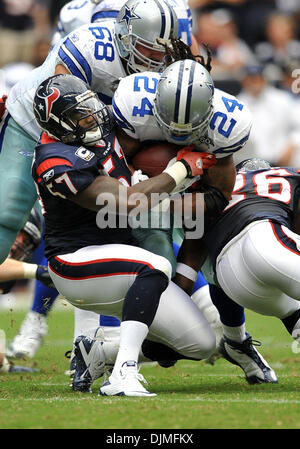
{"x":89,"y":362}
{"x":245,"y":356}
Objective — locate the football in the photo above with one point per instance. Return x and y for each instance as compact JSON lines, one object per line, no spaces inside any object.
{"x":154,"y":158}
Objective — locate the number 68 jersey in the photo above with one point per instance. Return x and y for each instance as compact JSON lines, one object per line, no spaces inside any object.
{"x":266,"y":194}
{"x":228,"y":130}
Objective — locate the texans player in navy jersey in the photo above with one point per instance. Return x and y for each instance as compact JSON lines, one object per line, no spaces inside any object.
{"x":79,"y":166}
{"x":254,"y":249}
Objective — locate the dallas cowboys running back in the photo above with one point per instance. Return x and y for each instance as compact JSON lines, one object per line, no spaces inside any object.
{"x":100,"y":269}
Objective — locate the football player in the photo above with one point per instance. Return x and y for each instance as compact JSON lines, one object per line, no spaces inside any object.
{"x":19,"y":266}
{"x":182,"y":106}
{"x":78,"y":12}
{"x":97,"y":54}
{"x":254,"y":249}
{"x":78,"y":165}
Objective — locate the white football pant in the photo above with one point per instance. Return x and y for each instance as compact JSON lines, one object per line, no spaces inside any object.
{"x":178,"y":322}
{"x":260,"y":264}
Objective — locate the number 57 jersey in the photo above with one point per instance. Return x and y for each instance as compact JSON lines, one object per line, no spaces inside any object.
{"x":228,"y":130}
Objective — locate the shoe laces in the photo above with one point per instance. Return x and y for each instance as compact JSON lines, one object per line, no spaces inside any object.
{"x":250,"y":341}
{"x":133,"y":372}
{"x":68,"y":354}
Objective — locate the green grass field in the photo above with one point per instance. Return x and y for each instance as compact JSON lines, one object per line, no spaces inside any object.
{"x":190,"y":395}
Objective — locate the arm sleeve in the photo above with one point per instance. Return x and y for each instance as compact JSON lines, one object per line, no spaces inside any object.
{"x":62,"y":179}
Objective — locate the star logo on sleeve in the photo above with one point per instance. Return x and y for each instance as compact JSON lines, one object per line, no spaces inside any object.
{"x":129,"y":15}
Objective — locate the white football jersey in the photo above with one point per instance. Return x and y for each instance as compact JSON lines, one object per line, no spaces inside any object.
{"x":228,"y":130}
{"x":73,"y":15}
{"x":89,"y":53}
{"x":79,"y":12}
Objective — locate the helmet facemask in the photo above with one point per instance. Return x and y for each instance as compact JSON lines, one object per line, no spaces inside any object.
{"x":136,"y":61}
{"x":88,"y":121}
{"x":185,"y":134}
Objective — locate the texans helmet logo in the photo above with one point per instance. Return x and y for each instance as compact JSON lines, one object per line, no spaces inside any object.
{"x":45,"y":102}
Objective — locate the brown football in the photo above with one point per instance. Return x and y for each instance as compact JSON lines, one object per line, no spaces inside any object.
{"x":154,"y":158}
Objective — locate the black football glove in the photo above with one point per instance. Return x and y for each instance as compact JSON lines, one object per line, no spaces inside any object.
{"x":42,"y":275}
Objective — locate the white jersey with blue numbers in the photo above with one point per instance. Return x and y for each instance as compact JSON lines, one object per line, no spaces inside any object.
{"x":228,"y":130}
{"x":89,"y":53}
{"x":79,"y":12}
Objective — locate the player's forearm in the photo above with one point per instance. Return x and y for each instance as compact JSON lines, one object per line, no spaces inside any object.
{"x":222,"y":176}
{"x":191,"y":256}
{"x":105,"y":190}
{"x":12,"y":270}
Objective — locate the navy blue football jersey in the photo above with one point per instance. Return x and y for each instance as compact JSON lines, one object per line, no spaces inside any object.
{"x":258,"y":195}
{"x":61,"y":172}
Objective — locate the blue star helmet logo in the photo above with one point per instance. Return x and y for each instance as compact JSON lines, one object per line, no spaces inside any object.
{"x":129,"y":15}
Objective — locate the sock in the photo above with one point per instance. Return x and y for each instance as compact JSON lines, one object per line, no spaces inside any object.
{"x":237,"y":333}
{"x":231,"y":313}
{"x":43,"y":299}
{"x":85,"y":323}
{"x":132,"y":335}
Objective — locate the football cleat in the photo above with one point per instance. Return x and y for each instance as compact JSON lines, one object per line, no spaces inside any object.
{"x":245,"y":356}
{"x":89,"y":363}
{"x":128,"y":383}
{"x":30,"y":337}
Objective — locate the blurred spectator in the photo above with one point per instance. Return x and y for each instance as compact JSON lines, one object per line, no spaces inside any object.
{"x":290,"y":79}
{"x":275,"y":133}
{"x":230,"y":53}
{"x":281,"y":45}
{"x":22,"y":23}
{"x":54,"y":7}
{"x":249,"y":15}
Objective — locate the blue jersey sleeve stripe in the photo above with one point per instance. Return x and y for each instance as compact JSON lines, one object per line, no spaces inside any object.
{"x":232,"y":150}
{"x":120,"y":118}
{"x":71,"y":66}
{"x":104,"y":15}
{"x":82,"y":62}
{"x":240,"y":142}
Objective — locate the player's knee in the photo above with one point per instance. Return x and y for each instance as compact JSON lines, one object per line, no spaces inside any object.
{"x":162,"y":264}
{"x":202,"y":346}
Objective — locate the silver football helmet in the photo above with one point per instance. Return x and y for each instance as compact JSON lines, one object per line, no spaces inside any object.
{"x":147,"y":24}
{"x":253,"y":164}
{"x":183,"y":104}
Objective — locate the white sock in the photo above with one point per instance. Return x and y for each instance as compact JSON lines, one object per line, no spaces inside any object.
{"x":132,"y":335}
{"x":236,"y":333}
{"x":85,"y":322}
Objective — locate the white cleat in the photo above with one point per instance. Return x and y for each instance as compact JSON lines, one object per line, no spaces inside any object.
{"x":128,"y":383}
{"x":30,"y":337}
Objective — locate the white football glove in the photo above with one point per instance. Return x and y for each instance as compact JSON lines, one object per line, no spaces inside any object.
{"x":138,"y":176}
